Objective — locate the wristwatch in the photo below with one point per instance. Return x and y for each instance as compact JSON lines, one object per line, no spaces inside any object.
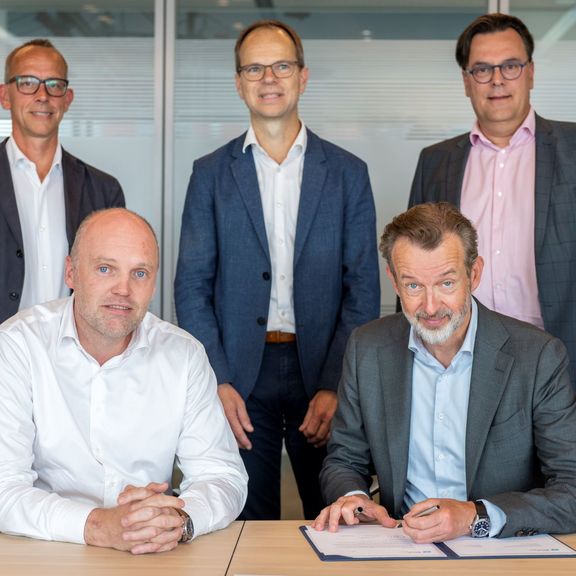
{"x":480,"y":527}
{"x":187,"y":526}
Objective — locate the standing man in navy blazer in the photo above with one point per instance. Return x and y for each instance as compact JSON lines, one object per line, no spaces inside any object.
{"x":514,"y":176}
{"x":44,"y":192}
{"x":277,"y":265}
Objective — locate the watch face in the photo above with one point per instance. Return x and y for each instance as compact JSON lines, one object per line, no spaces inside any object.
{"x":481,"y":529}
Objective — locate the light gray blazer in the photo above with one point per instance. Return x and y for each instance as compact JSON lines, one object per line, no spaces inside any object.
{"x":521,"y":430}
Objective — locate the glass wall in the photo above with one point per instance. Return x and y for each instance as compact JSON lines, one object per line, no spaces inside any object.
{"x":154,"y":85}
{"x":110,"y":49}
{"x":383,"y":84}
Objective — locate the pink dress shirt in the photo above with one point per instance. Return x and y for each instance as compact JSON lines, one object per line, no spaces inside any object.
{"x":498,"y":197}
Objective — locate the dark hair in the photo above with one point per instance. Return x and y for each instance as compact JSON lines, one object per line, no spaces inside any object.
{"x":270,"y":24}
{"x":426,"y":226}
{"x":488,"y":24}
{"x":37,"y":43}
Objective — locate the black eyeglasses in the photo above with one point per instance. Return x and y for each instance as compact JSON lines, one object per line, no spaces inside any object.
{"x":29,"y":85}
{"x":255,"y":72}
{"x":510,"y":70}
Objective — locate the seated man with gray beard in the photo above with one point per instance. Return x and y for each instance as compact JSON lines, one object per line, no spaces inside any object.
{"x":466,"y":415}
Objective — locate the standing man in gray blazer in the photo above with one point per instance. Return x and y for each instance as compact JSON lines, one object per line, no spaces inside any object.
{"x":45,"y":192}
{"x":454,"y":406}
{"x":277,"y":265}
{"x":514,"y":176}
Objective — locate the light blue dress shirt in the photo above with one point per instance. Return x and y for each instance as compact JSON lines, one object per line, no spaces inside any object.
{"x":439,"y":413}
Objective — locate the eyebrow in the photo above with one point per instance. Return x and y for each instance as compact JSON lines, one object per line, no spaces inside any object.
{"x":444,"y":274}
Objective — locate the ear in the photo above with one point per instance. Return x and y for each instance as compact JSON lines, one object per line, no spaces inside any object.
{"x":4,"y":97}
{"x":238,"y":82}
{"x":530,"y":72}
{"x":392,"y":279}
{"x":476,"y":273}
{"x":69,"y":96}
{"x":69,"y":273}
{"x":304,"y":73}
{"x":466,"y":78}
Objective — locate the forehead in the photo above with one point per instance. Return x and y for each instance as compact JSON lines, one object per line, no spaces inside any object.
{"x":411,"y":259}
{"x":36,"y":58}
{"x":267,"y":44}
{"x":497,"y":46}
{"x":124,"y":239}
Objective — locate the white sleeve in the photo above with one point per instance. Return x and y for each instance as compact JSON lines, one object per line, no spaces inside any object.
{"x":214,"y":484}
{"x":24,"y":509}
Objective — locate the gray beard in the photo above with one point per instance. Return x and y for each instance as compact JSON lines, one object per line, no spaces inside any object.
{"x":440,"y":335}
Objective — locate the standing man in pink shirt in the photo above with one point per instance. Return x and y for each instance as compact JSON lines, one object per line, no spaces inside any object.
{"x":514,"y":176}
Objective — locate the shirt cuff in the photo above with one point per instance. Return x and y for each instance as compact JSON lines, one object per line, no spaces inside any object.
{"x":497,"y":517}
{"x":69,"y":521}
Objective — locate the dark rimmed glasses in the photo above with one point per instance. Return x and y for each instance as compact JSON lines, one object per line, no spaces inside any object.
{"x":255,"y":72}
{"x":510,"y":70}
{"x":29,"y":85}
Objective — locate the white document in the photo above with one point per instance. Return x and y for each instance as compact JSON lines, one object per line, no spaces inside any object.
{"x":539,"y":545}
{"x":369,"y":541}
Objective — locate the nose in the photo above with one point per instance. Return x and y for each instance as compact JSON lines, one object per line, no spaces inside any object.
{"x":122,"y":286}
{"x":41,"y":94}
{"x":430,"y":302}
{"x":497,"y":77}
{"x":268,"y":75}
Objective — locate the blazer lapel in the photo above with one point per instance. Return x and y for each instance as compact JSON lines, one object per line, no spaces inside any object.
{"x":490,"y":372}
{"x":244,"y":173}
{"x":313,"y":178}
{"x":456,"y":169}
{"x":73,"y":178}
{"x":545,"y":159}
{"x":396,"y":379}
{"x":8,"y":205}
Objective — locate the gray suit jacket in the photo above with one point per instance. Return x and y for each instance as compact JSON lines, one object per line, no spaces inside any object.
{"x":85,"y":189}
{"x":439,"y":177}
{"x":521,"y":430}
{"x":223,"y":280}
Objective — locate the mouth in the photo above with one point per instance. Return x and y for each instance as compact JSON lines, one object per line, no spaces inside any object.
{"x":118,"y":308}
{"x":42,"y":113}
{"x":433,"y":320}
{"x":501,"y":98}
{"x":269,"y":96}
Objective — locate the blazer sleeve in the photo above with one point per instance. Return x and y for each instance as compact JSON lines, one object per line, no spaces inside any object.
{"x":360,"y":275}
{"x":551,"y":509}
{"x":348,"y":464}
{"x":197,"y":268}
{"x":416,"y":191}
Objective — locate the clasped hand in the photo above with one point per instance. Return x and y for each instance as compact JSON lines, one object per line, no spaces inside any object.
{"x":145,"y":520}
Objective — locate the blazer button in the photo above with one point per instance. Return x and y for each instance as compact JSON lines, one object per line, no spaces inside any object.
{"x":13,"y":295}
{"x":261,"y":321}
{"x":19,"y":253}
{"x":266,"y":275}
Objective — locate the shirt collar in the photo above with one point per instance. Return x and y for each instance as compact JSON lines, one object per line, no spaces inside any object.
{"x":68,"y":331}
{"x":17,"y":158}
{"x":416,"y":345}
{"x":298,"y":145}
{"x":526,"y":130}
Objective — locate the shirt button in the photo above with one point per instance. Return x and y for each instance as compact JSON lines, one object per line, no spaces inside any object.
{"x":261,"y":321}
{"x":13,"y":295}
{"x":499,"y":194}
{"x":441,"y":416}
{"x":497,"y":252}
{"x":501,"y":164}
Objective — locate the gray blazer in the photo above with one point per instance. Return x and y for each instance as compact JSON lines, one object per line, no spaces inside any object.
{"x":439,"y":177}
{"x":85,"y":189}
{"x":223,"y":279}
{"x":520,"y":435}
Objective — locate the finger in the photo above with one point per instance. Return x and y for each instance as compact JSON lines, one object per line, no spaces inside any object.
{"x":312,"y":426}
{"x":135,"y":493}
{"x":243,"y":417}
{"x":158,"y":501}
{"x":153,"y":547}
{"x":151,"y":516}
{"x":334,"y":517}
{"x":242,"y":440}
{"x":321,"y":436}
{"x":320,"y":522}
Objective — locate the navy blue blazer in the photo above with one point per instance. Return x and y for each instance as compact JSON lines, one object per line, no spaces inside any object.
{"x":439,"y":177}
{"x":223,"y":278}
{"x":85,"y":189}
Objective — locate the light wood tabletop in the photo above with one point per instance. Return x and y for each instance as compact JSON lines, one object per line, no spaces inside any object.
{"x":208,"y":555}
{"x":279,"y":549}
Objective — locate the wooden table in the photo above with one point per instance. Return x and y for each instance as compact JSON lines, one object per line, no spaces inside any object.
{"x":207,"y":556}
{"x":279,"y":549}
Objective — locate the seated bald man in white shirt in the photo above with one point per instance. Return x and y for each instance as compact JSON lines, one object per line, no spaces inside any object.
{"x":98,"y":397}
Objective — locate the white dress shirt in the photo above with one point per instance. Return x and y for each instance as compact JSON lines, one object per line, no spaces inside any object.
{"x":280,"y":192}
{"x":42,"y":214}
{"x":74,"y":433}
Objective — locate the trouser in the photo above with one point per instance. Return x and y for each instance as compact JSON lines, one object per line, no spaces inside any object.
{"x":276,"y":407}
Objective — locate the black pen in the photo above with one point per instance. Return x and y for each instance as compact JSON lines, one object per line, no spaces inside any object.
{"x":358,"y":510}
{"x":425,"y":512}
